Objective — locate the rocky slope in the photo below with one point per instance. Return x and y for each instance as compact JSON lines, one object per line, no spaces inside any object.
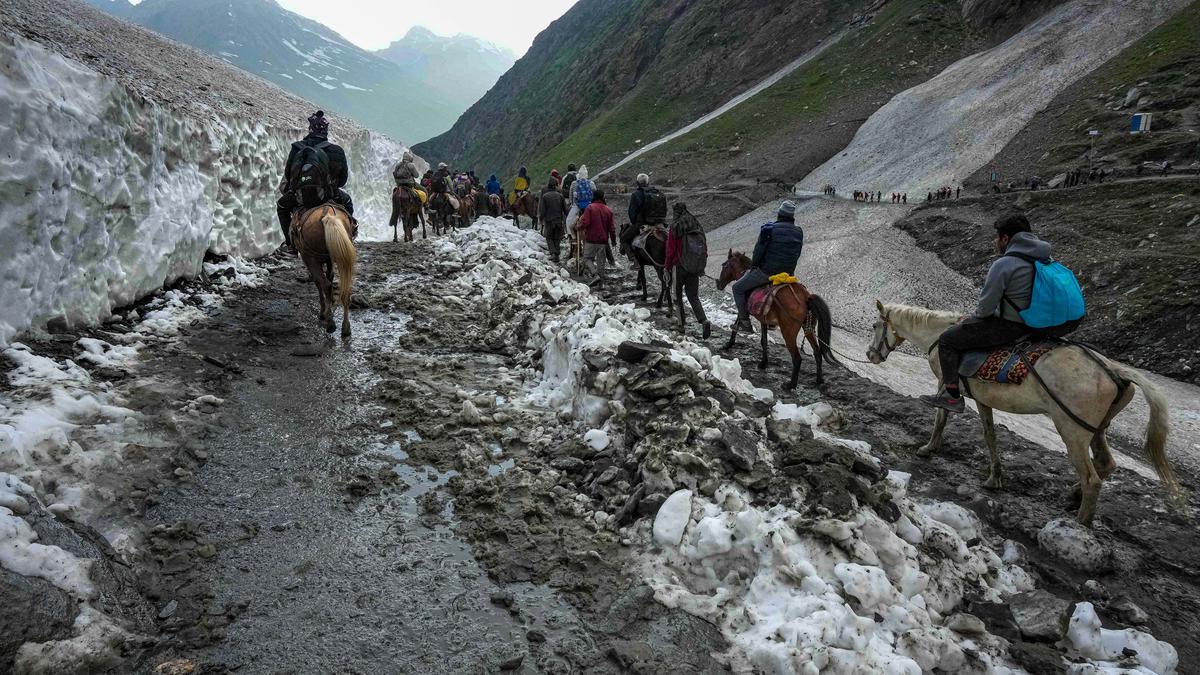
{"x":128,"y":165}
{"x":403,"y":99}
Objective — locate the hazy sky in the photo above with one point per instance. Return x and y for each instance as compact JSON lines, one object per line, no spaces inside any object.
{"x":374,"y":24}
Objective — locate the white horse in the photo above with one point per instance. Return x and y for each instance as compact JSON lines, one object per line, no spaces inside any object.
{"x":1092,"y":390}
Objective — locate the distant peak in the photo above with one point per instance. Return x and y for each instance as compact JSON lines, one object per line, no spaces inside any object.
{"x":419,"y":32}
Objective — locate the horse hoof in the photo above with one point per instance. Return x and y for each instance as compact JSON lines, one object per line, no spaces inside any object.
{"x":926,"y":450}
{"x":994,"y":483}
{"x":345,"y":332}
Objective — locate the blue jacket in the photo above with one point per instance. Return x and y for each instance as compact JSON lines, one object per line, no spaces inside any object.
{"x":779,"y":247}
{"x":493,"y":186}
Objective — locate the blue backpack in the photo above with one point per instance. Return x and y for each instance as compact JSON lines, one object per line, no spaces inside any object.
{"x":1056,"y":306}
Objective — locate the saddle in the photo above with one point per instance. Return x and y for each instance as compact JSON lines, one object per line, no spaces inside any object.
{"x":762,"y":299}
{"x":1005,"y":365}
{"x":407,"y":192}
{"x":657,"y":231}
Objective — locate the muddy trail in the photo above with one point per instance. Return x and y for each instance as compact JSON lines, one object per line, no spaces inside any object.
{"x":354,"y":509}
{"x":1152,"y":547}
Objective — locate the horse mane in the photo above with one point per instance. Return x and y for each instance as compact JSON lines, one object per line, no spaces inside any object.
{"x":921,"y":318}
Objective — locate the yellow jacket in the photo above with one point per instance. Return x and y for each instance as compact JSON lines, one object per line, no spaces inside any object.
{"x":521,"y":183}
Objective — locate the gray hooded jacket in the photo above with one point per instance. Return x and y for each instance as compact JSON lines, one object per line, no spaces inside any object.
{"x":1011,"y":277}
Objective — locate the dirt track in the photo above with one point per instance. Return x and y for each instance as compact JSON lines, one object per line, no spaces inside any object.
{"x":392,"y":532}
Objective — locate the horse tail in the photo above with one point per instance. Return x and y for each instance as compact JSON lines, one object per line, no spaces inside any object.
{"x":816,"y":304}
{"x":341,"y":250}
{"x":1156,"y":430}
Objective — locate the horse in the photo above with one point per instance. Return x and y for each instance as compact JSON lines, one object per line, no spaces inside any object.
{"x":466,"y":209}
{"x":495,"y":205}
{"x":525,"y":205}
{"x":1079,"y":390}
{"x":793,"y":309}
{"x":322,"y":238}
{"x":655,"y":254}
{"x":407,"y":206}
{"x":441,"y":211}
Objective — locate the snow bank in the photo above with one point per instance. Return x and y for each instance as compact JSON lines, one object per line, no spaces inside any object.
{"x":109,"y":196}
{"x":879,"y":585}
{"x":945,"y":129}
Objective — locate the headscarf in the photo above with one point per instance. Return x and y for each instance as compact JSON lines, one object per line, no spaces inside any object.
{"x":522,"y":173}
{"x":408,"y":156}
{"x":583,"y":171}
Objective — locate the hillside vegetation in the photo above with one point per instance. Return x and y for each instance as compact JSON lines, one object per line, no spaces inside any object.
{"x":613,"y":72}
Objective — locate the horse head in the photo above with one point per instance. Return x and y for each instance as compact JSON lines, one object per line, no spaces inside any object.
{"x":884,"y":338}
{"x":732,"y":269}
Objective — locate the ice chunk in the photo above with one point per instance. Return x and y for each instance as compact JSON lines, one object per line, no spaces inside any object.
{"x":596,"y":438}
{"x":673,"y":518}
{"x":1095,"y":642}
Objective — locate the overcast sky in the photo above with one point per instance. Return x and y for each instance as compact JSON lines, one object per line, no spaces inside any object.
{"x":374,"y":24}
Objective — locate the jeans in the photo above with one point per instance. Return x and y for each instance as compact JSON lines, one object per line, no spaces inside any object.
{"x":975,"y":335}
{"x":288,"y":203}
{"x":752,"y":279}
{"x":686,"y":282}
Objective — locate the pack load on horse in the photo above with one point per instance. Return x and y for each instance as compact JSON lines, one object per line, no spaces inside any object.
{"x":788,"y":304}
{"x":315,"y":172}
{"x":687,"y":256}
{"x":1010,"y":356}
{"x":408,"y":200}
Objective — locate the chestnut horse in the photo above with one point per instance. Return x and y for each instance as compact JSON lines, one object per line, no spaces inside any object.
{"x":406,"y":207}
{"x":322,"y":238}
{"x":793,"y":309}
{"x":525,"y":205}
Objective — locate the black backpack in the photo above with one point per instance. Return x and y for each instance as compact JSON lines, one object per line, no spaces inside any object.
{"x":654,"y":207}
{"x":694,"y":257}
{"x":310,"y":174}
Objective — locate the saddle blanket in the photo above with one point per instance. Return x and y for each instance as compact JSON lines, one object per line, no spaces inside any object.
{"x":762,"y":299}
{"x":418,"y":191}
{"x":1004,"y":365}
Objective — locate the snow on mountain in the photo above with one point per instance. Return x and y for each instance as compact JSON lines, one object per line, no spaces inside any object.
{"x":305,"y":58}
{"x":459,"y":68}
{"x":122,"y":174}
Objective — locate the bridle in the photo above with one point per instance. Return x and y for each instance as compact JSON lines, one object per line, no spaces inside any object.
{"x":884,"y":343}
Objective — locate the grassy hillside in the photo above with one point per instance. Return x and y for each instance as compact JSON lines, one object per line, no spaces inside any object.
{"x":612,"y":71}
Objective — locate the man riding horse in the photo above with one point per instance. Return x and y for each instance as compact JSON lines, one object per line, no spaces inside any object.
{"x":778,"y":250}
{"x":997,"y":321}
{"x":647,"y":209}
{"x":316,"y":171}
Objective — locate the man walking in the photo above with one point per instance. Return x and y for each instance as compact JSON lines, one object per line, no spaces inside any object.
{"x":552,"y":213}
{"x":597,"y":229}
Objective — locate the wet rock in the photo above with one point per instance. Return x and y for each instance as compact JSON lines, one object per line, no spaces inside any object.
{"x":1074,"y":544}
{"x":635,"y":352}
{"x":739,"y":447}
{"x":503,"y":599}
{"x":1036,"y":658}
{"x":31,"y":610}
{"x":1129,"y":613}
{"x":651,"y":503}
{"x":998,"y":618}
{"x":513,"y":662}
{"x":1039,"y":614}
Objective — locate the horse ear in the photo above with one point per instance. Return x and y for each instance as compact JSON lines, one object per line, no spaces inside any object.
{"x":879,"y":305}
{"x":730,"y":253}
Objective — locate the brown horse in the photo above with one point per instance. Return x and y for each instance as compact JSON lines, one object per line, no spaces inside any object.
{"x":793,"y":309}
{"x":441,"y":211}
{"x":322,"y":238}
{"x":466,"y":209}
{"x":525,"y":205}
{"x":495,"y":205}
{"x":407,"y":206}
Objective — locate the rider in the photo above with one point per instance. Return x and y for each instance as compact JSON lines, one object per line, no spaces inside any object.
{"x":778,"y":250}
{"x":582,"y":190}
{"x":568,"y":180}
{"x":493,"y":185}
{"x":647,"y":207}
{"x":997,"y":321}
{"x":520,"y":185}
{"x":405,"y":172}
{"x":338,"y":172}
{"x":441,"y":179}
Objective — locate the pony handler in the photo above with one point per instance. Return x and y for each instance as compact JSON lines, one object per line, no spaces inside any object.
{"x":1079,"y":390}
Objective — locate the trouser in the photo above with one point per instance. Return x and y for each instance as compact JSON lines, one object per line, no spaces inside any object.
{"x":686,"y":282}
{"x":752,"y":279}
{"x":288,"y":203}
{"x":554,"y":235}
{"x":572,"y":215}
{"x":593,"y":257}
{"x":974,"y":335}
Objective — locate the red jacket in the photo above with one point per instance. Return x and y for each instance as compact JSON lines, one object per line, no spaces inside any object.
{"x":674,"y":249}
{"x":597,"y":224}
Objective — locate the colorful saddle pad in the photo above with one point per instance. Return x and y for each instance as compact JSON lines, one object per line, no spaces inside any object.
{"x":762,"y":299}
{"x":1004,"y":365}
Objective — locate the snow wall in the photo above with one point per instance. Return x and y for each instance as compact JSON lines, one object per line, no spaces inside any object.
{"x":108,"y":196}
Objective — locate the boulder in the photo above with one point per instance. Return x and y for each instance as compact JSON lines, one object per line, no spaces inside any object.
{"x":737,"y":446}
{"x":1039,"y":614}
{"x":1075,"y":544}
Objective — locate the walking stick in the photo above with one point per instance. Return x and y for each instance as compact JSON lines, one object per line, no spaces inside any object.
{"x":578,"y":254}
